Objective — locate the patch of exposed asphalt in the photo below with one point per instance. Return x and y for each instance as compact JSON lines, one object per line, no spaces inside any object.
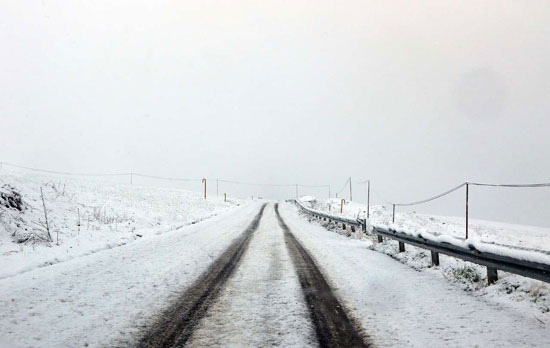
{"x":179,"y":320}
{"x":333,"y":327}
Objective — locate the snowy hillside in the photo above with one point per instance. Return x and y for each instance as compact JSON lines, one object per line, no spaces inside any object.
{"x":86,"y":216}
{"x":490,"y":232}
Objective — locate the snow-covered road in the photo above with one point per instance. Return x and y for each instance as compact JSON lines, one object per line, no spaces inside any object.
{"x":262,"y":305}
{"x":111,"y":298}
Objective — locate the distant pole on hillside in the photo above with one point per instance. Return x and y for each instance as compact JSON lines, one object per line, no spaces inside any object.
{"x":467,"y":199}
{"x":296,"y":190}
{"x":204,"y":182}
{"x":328,"y":191}
{"x":217,"y":188}
{"x":350,"y":196}
{"x":368,"y":199}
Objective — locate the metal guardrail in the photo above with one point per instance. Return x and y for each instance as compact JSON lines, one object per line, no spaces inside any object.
{"x":338,"y":219}
{"x":493,"y":262}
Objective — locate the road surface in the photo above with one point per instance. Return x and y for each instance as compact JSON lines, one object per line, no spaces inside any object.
{"x":259,"y":276}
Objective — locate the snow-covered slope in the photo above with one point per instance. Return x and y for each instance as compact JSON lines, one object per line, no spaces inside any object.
{"x":86,"y":216}
{"x":488,"y":232}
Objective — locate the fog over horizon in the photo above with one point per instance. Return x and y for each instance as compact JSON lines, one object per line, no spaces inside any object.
{"x":415,"y":96}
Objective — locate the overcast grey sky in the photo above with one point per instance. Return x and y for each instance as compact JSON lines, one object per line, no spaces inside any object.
{"x":415,"y":95}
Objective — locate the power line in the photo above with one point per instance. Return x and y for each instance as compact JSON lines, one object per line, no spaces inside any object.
{"x":531,"y":185}
{"x":431,"y":198}
{"x":64,"y":173}
{"x":544,"y":184}
{"x":163,"y":178}
{"x":256,"y":184}
{"x":343,"y":187}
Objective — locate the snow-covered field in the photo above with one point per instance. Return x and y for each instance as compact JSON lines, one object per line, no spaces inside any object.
{"x":423,"y":306}
{"x":86,"y":216}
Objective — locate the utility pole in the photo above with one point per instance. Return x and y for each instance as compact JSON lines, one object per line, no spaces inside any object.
{"x":296,"y":190}
{"x":350,"y":196}
{"x":328,"y":191}
{"x":467,"y":199}
{"x":368,"y":199}
{"x":217,"y":188}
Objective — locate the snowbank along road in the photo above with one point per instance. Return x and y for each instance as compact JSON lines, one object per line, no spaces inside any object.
{"x":258,"y":293}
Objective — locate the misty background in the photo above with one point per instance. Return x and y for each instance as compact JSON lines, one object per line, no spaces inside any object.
{"x":415,"y":96}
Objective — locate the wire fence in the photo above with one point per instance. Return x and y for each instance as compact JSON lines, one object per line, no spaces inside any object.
{"x":467,"y":185}
{"x":131,"y":176}
{"x":347,"y":184}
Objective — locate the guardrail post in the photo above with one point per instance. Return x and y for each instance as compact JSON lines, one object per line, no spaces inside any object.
{"x":352,"y":228}
{"x":342,"y":205}
{"x":364,"y":226}
{"x":492,"y":275}
{"x":380,"y":239}
{"x":343,"y":226}
{"x":401,"y":247}
{"x":435,"y":258}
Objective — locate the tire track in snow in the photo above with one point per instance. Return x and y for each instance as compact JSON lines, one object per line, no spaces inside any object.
{"x":332,"y":325}
{"x":179,"y":321}
{"x":262,"y":304}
